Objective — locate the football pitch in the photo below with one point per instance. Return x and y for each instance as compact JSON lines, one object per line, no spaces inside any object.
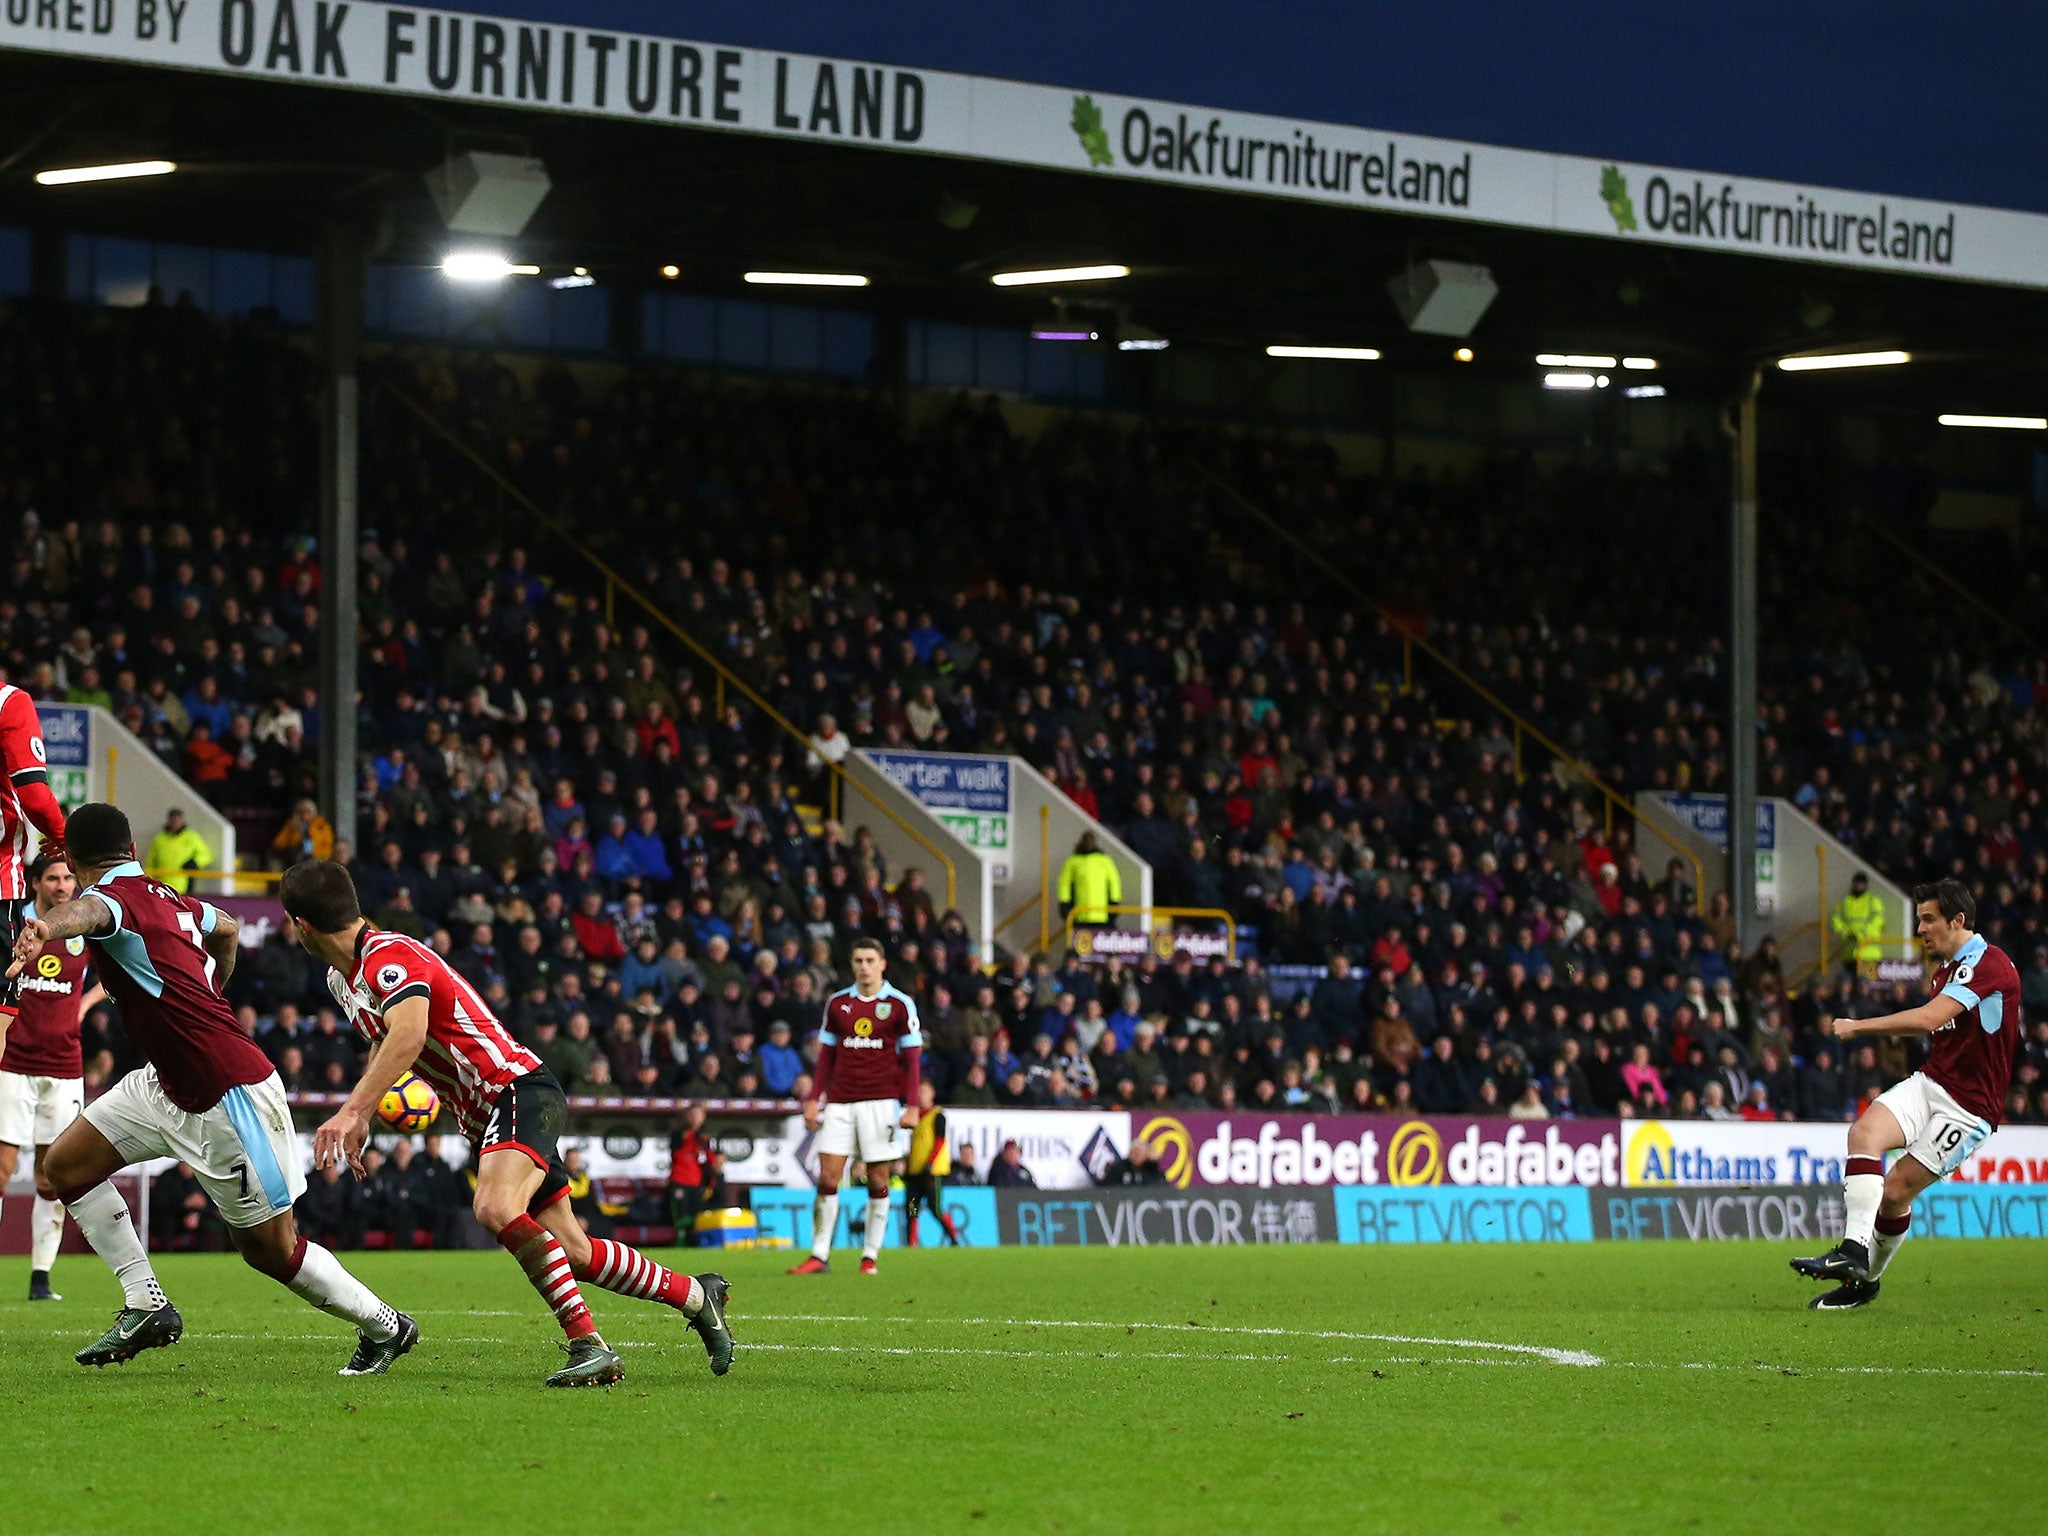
{"x":1590,"y":1388}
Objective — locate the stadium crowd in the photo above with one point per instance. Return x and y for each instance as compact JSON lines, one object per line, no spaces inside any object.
{"x":633,"y":866}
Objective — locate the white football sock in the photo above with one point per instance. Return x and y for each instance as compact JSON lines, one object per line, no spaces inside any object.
{"x":1861,"y":1195}
{"x":824,"y":1222}
{"x":45,"y":1233}
{"x":322,"y":1281}
{"x":102,"y":1215}
{"x":1886,"y":1245}
{"x":878,"y":1225}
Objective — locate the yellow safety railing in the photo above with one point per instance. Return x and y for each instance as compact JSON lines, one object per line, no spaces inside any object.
{"x":1412,"y":641}
{"x":1041,"y":900}
{"x":1961,"y":589}
{"x":1200,"y":914}
{"x":725,"y":676}
{"x":1036,"y":903}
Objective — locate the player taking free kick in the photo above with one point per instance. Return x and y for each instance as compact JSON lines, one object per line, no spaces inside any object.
{"x":1942,"y":1113}
{"x":865,"y":1099}
{"x":208,"y":1097}
{"x":421,"y":1016}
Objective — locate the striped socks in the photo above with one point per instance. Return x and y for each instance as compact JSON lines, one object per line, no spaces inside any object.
{"x":629,"y":1272}
{"x":547,"y":1267}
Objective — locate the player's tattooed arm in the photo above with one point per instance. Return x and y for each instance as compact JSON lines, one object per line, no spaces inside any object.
{"x":80,"y":918}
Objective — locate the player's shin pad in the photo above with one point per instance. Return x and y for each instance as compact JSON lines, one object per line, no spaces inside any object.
{"x":102,"y":1216}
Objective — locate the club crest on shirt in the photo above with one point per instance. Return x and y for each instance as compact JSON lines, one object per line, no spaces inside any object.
{"x":74,"y":946}
{"x":881,"y":1010}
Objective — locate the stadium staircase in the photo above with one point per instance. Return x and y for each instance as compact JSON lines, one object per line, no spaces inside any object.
{"x":842,"y":789}
{"x":1534,"y":751}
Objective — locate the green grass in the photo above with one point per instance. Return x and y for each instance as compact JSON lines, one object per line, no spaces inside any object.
{"x":903,"y":1416}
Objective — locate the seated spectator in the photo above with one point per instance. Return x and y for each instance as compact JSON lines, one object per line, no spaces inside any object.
{"x":1713,"y":1102}
{"x":595,"y":935}
{"x":1009,"y":1171}
{"x":781,"y":1063}
{"x":1441,"y":1084}
{"x":306,"y":834}
{"x":1139,"y":1166}
{"x":973,"y":1091}
{"x":1641,"y":1079}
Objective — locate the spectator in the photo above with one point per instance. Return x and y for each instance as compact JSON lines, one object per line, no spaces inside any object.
{"x":689,"y":1171}
{"x":305,"y":835}
{"x":1858,"y":923}
{"x":176,"y":848}
{"x":1137,"y":1167}
{"x":1641,"y":1078}
{"x":1089,"y":883}
{"x":780,"y":1062}
{"x":1009,"y":1171}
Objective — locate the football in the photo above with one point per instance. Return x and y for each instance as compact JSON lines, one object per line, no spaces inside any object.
{"x":409,"y":1104}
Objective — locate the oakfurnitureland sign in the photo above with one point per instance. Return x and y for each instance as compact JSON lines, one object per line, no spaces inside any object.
{"x":419,"y":52}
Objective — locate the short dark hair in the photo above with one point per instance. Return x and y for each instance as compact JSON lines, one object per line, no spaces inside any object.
{"x":98,"y":835}
{"x":320,"y":894}
{"x":1951,"y":898}
{"x":865,"y":943}
{"x":42,"y":863}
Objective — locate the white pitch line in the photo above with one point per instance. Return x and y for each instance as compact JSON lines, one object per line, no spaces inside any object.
{"x":1528,"y":1354}
{"x":1577,"y":1357}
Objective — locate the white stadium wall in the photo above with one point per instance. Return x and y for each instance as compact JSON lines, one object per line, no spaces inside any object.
{"x":1803,"y":873}
{"x":94,"y":757}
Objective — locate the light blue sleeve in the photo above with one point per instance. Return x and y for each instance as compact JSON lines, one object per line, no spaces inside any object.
{"x":913,"y":1033}
{"x":209,"y":916}
{"x":115,"y":909}
{"x":1962,"y":994}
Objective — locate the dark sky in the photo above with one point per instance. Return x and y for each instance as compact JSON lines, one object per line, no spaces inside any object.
{"x":1934,"y":100}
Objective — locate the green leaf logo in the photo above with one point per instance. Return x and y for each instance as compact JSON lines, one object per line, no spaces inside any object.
{"x":1087,"y":125}
{"x":1614,"y":193}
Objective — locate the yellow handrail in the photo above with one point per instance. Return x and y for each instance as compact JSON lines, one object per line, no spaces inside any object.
{"x":1961,"y":589}
{"x":1820,"y":854}
{"x":1410,"y":640}
{"x":1211,"y":914}
{"x":1044,"y":878}
{"x":725,"y":676}
{"x":1034,"y":904}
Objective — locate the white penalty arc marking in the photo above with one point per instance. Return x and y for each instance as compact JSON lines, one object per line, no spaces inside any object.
{"x":1576,"y":1357}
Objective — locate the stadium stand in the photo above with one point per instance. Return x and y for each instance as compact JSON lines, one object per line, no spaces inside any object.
{"x":639,"y":868}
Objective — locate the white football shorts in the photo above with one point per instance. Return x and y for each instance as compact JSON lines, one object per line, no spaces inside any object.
{"x":34,"y":1109}
{"x":866,"y":1128}
{"x":242,"y":1150}
{"x":1939,"y":1132}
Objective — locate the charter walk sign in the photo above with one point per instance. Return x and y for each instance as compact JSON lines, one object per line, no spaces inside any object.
{"x":413,"y":51}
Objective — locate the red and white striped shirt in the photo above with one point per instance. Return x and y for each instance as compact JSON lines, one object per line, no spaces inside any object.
{"x":25,"y":797}
{"x":469,"y":1057}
